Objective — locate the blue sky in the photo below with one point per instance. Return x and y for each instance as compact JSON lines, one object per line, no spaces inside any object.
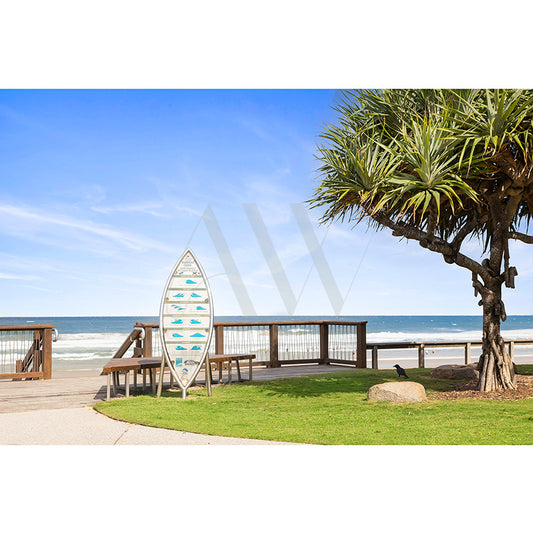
{"x":102,"y":190}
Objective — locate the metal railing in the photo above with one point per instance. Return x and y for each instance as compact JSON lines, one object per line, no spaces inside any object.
{"x":26,"y":352}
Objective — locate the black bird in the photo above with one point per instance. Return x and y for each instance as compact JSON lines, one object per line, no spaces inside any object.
{"x":401,"y":371}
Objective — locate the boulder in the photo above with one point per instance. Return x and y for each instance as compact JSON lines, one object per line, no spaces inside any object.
{"x":455,"y":372}
{"x":397,"y":392}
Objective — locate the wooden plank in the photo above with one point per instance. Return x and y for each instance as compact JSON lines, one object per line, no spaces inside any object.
{"x":287,"y":323}
{"x":361,"y":345}
{"x":28,"y":359}
{"x":345,"y":362}
{"x":230,"y":357}
{"x":47,"y":354}
{"x":147,"y":342}
{"x":5,"y":328}
{"x":219,"y":339}
{"x":374,"y":357}
{"x":324,"y":343}
{"x":13,"y":376}
{"x":421,"y":355}
{"x":127,"y":343}
{"x":299,"y":361}
{"x":37,"y":351}
{"x":274,"y":356}
{"x":467,"y":353}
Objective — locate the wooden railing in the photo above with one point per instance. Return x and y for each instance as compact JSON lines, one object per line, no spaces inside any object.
{"x":277,"y":343}
{"x":26,"y":352}
{"x":423,"y":347}
{"x":142,"y":339}
{"x":274,"y":343}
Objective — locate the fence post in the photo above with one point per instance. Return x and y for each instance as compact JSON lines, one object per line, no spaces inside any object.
{"x":421,"y":356}
{"x":324,"y":344}
{"x":147,"y":342}
{"x":274,"y":358}
{"x":219,"y":339}
{"x":37,"y":337}
{"x":374,"y":357}
{"x":361,"y":346}
{"x":467,"y":353}
{"x":47,"y":353}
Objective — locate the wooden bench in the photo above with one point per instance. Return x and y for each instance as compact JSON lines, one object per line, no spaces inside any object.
{"x":114,"y":367}
{"x":219,"y":359}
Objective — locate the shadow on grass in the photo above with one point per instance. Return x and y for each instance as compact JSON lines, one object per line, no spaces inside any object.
{"x":358,"y":381}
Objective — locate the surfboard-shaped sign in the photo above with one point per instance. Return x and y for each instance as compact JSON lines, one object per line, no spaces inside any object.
{"x":186,"y":320}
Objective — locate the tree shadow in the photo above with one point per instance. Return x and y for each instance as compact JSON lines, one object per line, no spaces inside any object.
{"x":357,"y":381}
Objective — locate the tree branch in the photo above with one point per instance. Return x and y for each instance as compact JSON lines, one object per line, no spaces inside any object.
{"x":521,"y":237}
{"x":465,"y":231}
{"x":435,"y":244}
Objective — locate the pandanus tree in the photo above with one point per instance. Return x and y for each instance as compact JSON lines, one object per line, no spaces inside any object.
{"x":441,"y":167}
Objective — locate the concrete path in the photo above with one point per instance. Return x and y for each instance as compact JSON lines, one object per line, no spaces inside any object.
{"x":58,"y":412}
{"x":85,"y":426}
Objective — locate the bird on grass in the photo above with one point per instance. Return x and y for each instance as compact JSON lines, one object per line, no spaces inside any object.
{"x":401,"y":371}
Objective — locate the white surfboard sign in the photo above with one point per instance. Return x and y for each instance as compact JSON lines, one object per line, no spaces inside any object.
{"x":186,"y":320}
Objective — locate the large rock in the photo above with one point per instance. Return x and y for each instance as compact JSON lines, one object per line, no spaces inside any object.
{"x":397,"y":392}
{"x":455,"y":372}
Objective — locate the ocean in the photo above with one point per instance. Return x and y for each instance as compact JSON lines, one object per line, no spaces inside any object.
{"x":89,"y":342}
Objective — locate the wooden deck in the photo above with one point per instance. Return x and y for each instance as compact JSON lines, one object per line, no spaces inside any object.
{"x":71,"y":389}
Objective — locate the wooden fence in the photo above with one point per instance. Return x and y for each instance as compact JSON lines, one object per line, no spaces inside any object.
{"x":274,"y":343}
{"x":26,"y":352}
{"x":422,"y":348}
{"x":277,"y":343}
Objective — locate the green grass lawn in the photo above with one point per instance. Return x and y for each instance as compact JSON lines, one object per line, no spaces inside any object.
{"x":332,"y":409}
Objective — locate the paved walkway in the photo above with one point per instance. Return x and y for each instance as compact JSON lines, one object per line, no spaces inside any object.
{"x":58,"y":412}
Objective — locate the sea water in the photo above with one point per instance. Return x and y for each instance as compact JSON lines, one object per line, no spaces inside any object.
{"x":89,"y":342}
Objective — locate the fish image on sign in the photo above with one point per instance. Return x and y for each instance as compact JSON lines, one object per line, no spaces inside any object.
{"x":186,"y":320}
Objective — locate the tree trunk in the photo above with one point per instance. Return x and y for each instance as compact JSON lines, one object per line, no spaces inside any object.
{"x":495,"y":365}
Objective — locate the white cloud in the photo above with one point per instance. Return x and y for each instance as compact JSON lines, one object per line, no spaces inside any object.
{"x":154,"y":209}
{"x":38,"y":223}
{"x":9,"y":276}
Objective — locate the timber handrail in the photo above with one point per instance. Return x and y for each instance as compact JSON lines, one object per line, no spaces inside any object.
{"x":144,"y":342}
{"x":421,"y":346}
{"x":142,"y":336}
{"x":36,"y":361}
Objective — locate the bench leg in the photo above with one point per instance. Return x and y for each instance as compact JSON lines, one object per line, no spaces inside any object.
{"x":135,"y":381}
{"x":250,"y":369}
{"x":219,"y":372}
{"x":229,"y":372}
{"x":115,"y":383}
{"x":153,"y":380}
{"x":238,"y":370}
{"x":144,"y":380}
{"x":127,"y":378}
{"x":208,"y":377}
{"x":108,"y":385}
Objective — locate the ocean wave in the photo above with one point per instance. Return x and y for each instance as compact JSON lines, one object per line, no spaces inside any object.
{"x":80,"y":356}
{"x":471,"y":335}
